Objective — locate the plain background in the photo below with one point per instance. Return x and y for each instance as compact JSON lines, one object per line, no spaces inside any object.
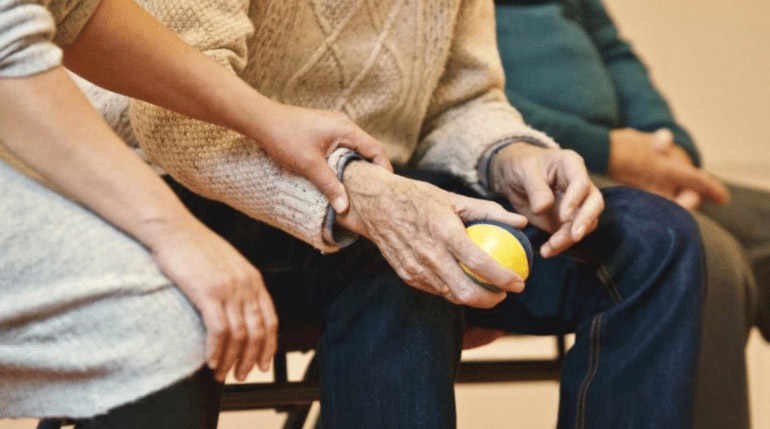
{"x":711,"y":59}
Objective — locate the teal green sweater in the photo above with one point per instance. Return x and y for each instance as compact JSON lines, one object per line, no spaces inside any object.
{"x":572,"y":76}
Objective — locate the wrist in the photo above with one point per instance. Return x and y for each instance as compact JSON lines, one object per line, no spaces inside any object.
{"x":364,"y":183}
{"x":156,"y":229}
{"x":253,"y":115}
{"x":618,"y":159}
{"x":499,"y":162}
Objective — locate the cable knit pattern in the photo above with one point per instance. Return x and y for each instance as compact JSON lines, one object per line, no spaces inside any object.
{"x":423,"y":77}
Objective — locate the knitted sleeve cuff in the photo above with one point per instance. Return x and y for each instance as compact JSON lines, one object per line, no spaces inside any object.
{"x":71,"y":18}
{"x":26,"y":30}
{"x":485,"y":162}
{"x":333,"y":234}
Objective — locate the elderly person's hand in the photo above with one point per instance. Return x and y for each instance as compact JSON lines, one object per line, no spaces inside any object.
{"x":651,"y":161}
{"x":551,"y":187}
{"x":419,"y":230}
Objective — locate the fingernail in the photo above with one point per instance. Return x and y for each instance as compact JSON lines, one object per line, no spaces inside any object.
{"x":340,"y":205}
{"x":518,"y":286}
{"x":545,"y":251}
{"x":579,"y":232}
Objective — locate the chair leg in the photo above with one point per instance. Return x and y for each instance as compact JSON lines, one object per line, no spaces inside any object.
{"x":298,"y":415}
{"x":49,"y":424}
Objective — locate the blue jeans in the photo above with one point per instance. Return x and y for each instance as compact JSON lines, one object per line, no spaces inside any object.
{"x":632,"y":292}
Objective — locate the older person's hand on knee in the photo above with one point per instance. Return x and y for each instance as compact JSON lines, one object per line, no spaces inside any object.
{"x":419,"y":230}
{"x":551,"y":188}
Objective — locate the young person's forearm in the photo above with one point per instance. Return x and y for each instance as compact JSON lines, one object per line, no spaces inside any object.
{"x":125,"y":50}
{"x":52,"y":128}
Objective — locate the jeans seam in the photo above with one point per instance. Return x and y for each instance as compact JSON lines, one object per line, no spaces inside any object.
{"x":593,"y":368}
{"x":602,"y":272}
{"x":606,"y":278}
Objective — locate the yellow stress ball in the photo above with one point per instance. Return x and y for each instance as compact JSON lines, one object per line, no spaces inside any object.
{"x":506,"y":244}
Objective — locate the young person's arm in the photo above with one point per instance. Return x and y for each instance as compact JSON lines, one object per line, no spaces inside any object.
{"x":124,"y":49}
{"x":52,"y":128}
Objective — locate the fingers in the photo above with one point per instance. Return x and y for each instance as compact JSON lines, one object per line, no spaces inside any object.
{"x":326,"y":181}
{"x":216,"y":333}
{"x":255,"y":340}
{"x":577,"y":191}
{"x":270,"y":321}
{"x":470,"y":209}
{"x":558,"y":242}
{"x":369,"y":148}
{"x":465,"y":291}
{"x":480,"y":263}
{"x":700,"y":182}
{"x":688,"y":199}
{"x":539,"y":193}
{"x":588,"y":213}
{"x":235,"y":341}
{"x":571,"y":232}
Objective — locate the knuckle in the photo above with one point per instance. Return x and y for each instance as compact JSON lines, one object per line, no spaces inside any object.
{"x":271,"y":325}
{"x":238,"y":334}
{"x":217,"y":328}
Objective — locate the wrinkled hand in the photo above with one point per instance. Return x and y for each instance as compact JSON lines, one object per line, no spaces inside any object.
{"x":652,"y":162}
{"x":419,"y":230}
{"x":228,"y":292}
{"x":301,"y":140}
{"x":551,"y":187}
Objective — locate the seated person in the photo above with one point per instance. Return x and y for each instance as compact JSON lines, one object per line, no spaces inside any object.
{"x":103,"y":306}
{"x":425,"y":79}
{"x":572,"y":76}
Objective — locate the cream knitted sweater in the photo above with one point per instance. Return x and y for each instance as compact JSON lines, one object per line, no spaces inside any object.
{"x":423,"y":77}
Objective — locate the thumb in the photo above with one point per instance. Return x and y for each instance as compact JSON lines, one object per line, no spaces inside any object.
{"x":368,"y":147}
{"x":324,"y":179}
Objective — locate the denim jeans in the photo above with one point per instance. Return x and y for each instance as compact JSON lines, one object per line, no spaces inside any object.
{"x":632,"y":292}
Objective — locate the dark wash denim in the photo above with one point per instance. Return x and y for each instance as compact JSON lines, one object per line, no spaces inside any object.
{"x":632,"y":291}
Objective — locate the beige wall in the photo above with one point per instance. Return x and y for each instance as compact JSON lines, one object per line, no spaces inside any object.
{"x":712,"y":60}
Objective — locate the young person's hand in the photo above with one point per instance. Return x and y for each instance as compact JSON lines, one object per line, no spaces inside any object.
{"x":241,"y":325}
{"x":552,"y":189}
{"x":652,"y":162}
{"x":76,"y":151}
{"x":419,"y":230}
{"x":301,"y":139}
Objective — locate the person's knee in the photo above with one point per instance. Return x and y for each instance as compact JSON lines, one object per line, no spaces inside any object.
{"x":730,"y":286}
{"x":647,"y":236}
{"x":651,"y":220}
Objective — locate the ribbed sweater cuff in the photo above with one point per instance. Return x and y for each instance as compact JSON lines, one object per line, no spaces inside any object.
{"x":33,"y":59}
{"x":485,"y":162}
{"x":333,"y":234}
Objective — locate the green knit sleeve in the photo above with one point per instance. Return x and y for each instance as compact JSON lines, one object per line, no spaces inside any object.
{"x":591,"y":141}
{"x":642,"y":106}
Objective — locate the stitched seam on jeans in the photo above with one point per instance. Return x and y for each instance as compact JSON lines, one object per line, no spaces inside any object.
{"x":606,"y":278}
{"x":593,"y":368}
{"x":601,"y":272}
